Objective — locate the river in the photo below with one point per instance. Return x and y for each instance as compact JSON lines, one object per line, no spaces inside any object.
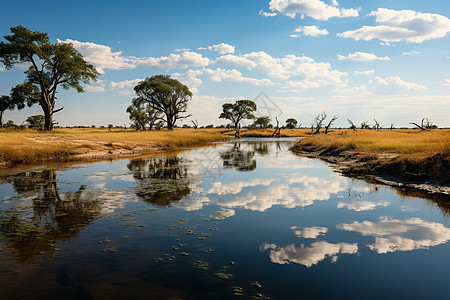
{"x":235,"y":220}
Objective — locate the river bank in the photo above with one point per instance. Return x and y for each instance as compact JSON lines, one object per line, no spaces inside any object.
{"x":30,"y":147}
{"x":401,"y":158}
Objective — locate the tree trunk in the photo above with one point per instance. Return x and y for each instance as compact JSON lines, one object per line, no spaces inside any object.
{"x":1,"y":118}
{"x":48,"y":114}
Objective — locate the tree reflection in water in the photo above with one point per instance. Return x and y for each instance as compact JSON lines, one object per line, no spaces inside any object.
{"x":240,"y":159}
{"x":32,"y":231}
{"x":162,"y":180}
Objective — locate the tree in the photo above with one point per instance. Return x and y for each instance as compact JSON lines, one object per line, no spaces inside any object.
{"x":262,"y":122}
{"x":5,"y":103}
{"x":426,"y":124}
{"x":142,"y":116}
{"x":317,"y":123}
{"x":165,"y":95}
{"x":51,"y":66}
{"x":352,"y":125}
{"x":332,"y":120}
{"x":36,"y":121}
{"x":241,"y":109}
{"x":291,"y":123}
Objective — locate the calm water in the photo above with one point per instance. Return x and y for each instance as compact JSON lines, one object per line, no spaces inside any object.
{"x":246,"y":218}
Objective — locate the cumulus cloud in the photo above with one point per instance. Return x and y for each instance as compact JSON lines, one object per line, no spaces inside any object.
{"x":393,"y":83}
{"x":402,"y":25}
{"x":219,"y":75}
{"x":309,"y":232}
{"x":368,"y":72}
{"x":362,"y":56}
{"x":222,"y":48}
{"x":362,"y":205}
{"x":401,"y":235}
{"x":446,"y":83}
{"x":309,"y":31}
{"x":315,"y":9}
{"x":220,"y":188}
{"x":308,"y":256}
{"x":266,"y":14}
{"x":124,"y":87}
{"x":410,"y":53}
{"x":223,"y":214}
{"x":184,"y":60}
{"x":312,"y":73}
{"x":102,"y":56}
{"x":94,"y":89}
{"x":190,"y":79}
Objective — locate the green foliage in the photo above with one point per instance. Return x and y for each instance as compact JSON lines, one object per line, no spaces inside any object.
{"x":142,"y":115}
{"x":36,"y":121}
{"x":165,"y":95}
{"x":291,"y":123}
{"x":241,"y":109}
{"x":51,"y":66}
{"x":262,"y":122}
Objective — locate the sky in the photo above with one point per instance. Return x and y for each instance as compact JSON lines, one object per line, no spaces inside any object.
{"x":358,"y":60}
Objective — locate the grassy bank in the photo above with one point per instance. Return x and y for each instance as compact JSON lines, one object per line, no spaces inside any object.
{"x":408,"y":154}
{"x":25,"y":147}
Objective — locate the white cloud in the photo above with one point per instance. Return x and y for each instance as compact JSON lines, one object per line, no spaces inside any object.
{"x":402,"y":25}
{"x":93,"y":89}
{"x":309,"y":31}
{"x":401,"y":235}
{"x":267,"y":14}
{"x":219,"y":75}
{"x":184,"y":60}
{"x":125,"y":87}
{"x":368,"y":72}
{"x":395,"y":83}
{"x":410,"y":53}
{"x":220,"y":188}
{"x":308,"y":256}
{"x":223,"y":214}
{"x":447,"y":82}
{"x":362,"y":56}
{"x":222,"y":48}
{"x":310,"y":232}
{"x":189,"y":78}
{"x":101,"y":56}
{"x":313,"y":74}
{"x":315,"y":9}
{"x":362,"y":205}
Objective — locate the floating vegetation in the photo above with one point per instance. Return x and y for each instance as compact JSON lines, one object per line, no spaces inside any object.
{"x":181,"y":245}
{"x":113,"y":249}
{"x":171,"y":258}
{"x":256,"y":284}
{"x":124,"y":237}
{"x":214,"y":229}
{"x":184,"y":254}
{"x":105,"y":241}
{"x":201,"y":265}
{"x":158,"y":260}
{"x":181,"y":221}
{"x":223,"y":275}
{"x":237,"y":291}
{"x":201,"y":237}
{"x":231,"y":262}
{"x":260,"y":297}
{"x":174,"y":247}
{"x":207,"y":251}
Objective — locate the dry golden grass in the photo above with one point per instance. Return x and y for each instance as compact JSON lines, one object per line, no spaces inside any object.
{"x":384,"y":141}
{"x":31,"y":146}
{"x":409,"y":154}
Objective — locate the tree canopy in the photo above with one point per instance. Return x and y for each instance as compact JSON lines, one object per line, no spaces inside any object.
{"x":165,"y":95}
{"x":235,"y":112}
{"x":262,"y":122}
{"x":50,"y":66}
{"x":291,"y":123}
{"x":141,"y":116}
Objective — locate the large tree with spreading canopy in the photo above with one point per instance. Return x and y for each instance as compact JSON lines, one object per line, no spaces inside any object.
{"x":166,"y":95}
{"x":235,"y":112}
{"x":50,"y":66}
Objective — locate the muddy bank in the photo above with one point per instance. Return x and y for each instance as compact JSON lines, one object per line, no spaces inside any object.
{"x":428,"y":174}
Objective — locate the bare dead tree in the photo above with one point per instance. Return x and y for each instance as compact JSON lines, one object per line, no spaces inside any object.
{"x":277,"y":132}
{"x":352,"y":125}
{"x":333,"y":119}
{"x":392,"y":126}
{"x":195,"y":123}
{"x":365,"y":125}
{"x":426,"y":124}
{"x":377,"y":125}
{"x":318,"y":121}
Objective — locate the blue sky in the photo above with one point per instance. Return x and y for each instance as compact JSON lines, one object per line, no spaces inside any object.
{"x":361,"y":60}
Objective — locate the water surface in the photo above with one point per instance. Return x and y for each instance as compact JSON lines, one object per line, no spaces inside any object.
{"x":243,"y":220}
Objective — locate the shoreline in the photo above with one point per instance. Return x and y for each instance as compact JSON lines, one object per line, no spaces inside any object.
{"x":382,"y":169}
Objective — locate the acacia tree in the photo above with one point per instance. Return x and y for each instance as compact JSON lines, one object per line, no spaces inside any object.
{"x":165,"y":95}
{"x":291,"y":123}
{"x":241,"y":109}
{"x":142,"y":116}
{"x":50,"y":66}
{"x":262,"y":122}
